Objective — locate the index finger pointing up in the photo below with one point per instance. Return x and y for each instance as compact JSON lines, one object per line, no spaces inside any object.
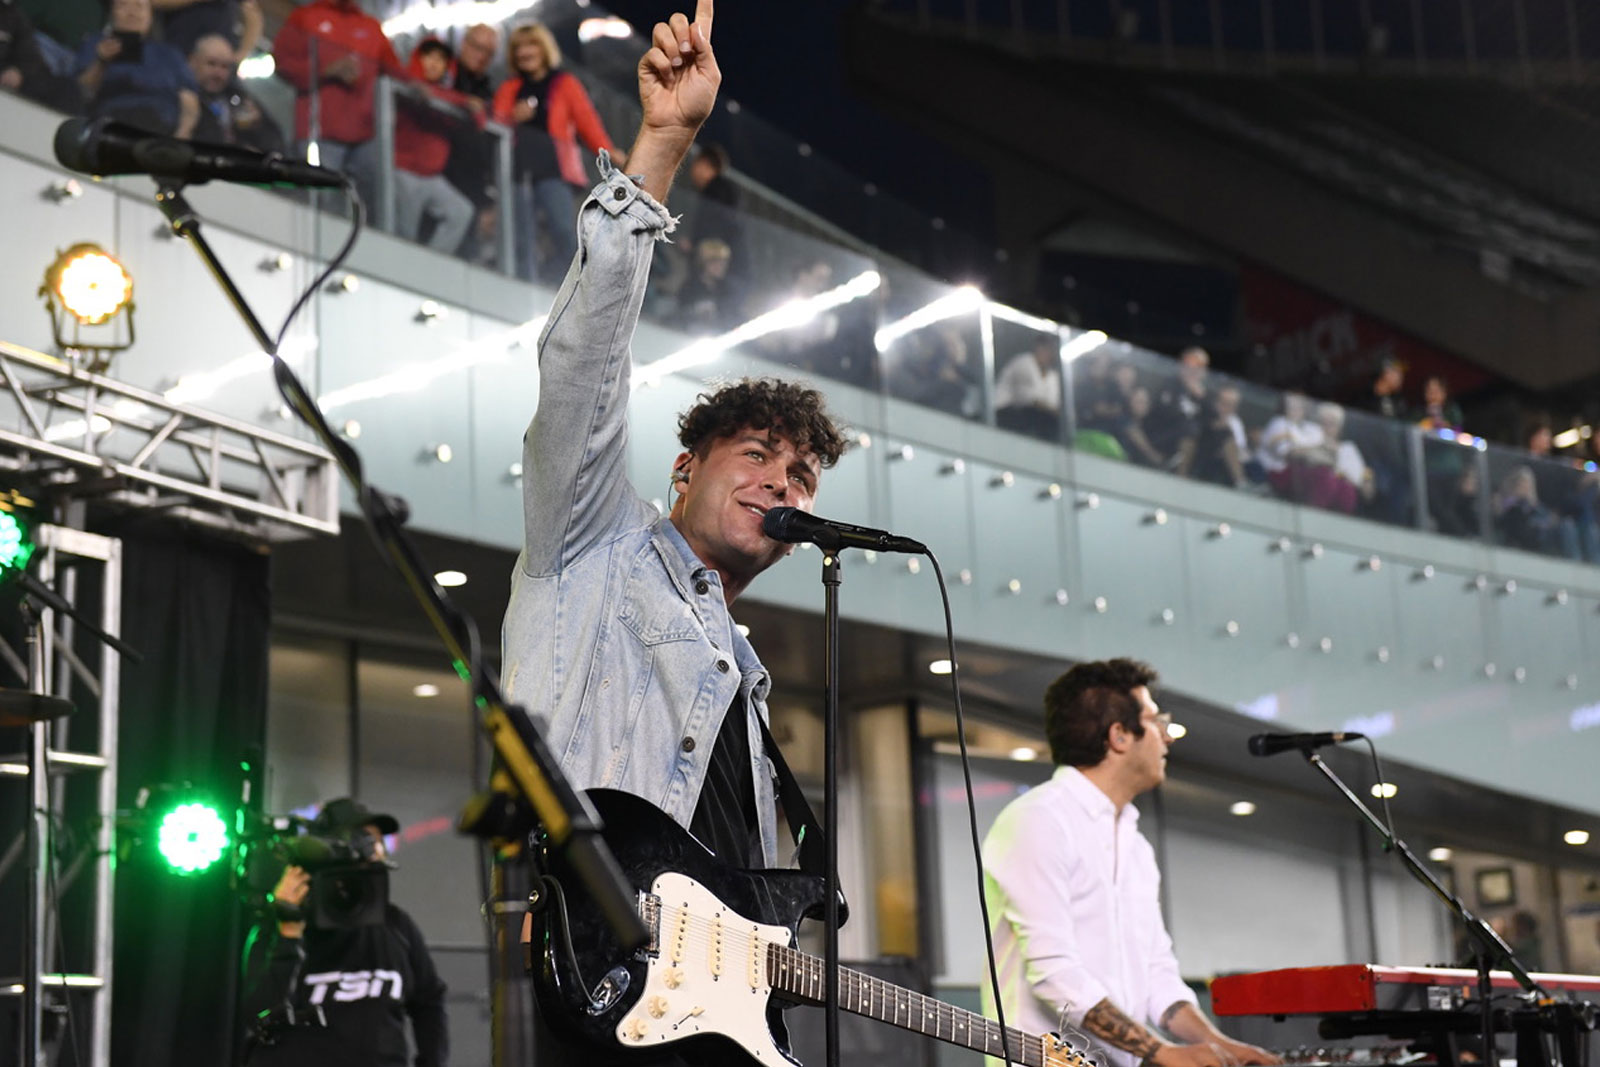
{"x":702,"y":15}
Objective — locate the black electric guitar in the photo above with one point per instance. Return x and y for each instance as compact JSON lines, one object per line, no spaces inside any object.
{"x":721,"y":963}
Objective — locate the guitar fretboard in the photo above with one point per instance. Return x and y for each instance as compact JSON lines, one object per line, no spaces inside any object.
{"x":804,"y":977}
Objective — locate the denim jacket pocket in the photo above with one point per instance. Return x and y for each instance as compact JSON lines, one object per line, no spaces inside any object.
{"x":652,"y":608}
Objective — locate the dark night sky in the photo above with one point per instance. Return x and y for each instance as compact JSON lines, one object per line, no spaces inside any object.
{"x":783,"y":61}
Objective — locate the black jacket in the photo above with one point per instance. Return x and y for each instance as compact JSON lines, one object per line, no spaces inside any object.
{"x":367,"y":980}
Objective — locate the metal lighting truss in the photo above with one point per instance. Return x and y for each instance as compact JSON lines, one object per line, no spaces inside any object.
{"x":73,"y":433}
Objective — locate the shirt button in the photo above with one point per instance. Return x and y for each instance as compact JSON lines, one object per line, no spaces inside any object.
{"x":722,"y":665}
{"x":688,"y":744}
{"x":619,"y":194}
{"x":702,"y":586}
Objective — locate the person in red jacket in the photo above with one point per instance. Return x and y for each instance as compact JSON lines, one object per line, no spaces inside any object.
{"x":550,"y":112}
{"x":422,"y":135}
{"x":333,"y":49}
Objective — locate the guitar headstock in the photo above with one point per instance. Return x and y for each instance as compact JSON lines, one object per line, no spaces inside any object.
{"x":1058,"y":1053}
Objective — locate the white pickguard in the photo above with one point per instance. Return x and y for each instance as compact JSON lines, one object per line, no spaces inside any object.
{"x":708,"y":976}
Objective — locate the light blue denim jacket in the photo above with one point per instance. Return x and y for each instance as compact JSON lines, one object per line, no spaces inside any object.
{"x":617,"y":638}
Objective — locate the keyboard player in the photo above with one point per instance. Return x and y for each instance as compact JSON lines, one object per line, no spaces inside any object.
{"x":1073,"y":889}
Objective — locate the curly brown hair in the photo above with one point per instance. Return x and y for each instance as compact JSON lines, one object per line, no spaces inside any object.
{"x":787,"y":408}
{"x":1081,"y":705}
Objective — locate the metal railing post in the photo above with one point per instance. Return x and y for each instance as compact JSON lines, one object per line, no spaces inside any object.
{"x":505,"y":181}
{"x":384,"y":117}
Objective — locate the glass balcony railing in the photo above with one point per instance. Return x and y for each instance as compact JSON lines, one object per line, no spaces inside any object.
{"x":734,"y":281}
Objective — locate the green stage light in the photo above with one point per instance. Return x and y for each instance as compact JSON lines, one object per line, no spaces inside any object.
{"x":192,"y":838}
{"x":16,"y":543}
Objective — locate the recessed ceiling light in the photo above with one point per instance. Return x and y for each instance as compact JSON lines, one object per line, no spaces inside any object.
{"x":425,"y":690}
{"x":1176,"y":730}
{"x":1023,"y":752}
{"x":1384,"y":790}
{"x":1576,"y":837}
{"x":1440,"y":854}
{"x":940,"y":666}
{"x":450,"y":579}
{"x":1242,"y":807}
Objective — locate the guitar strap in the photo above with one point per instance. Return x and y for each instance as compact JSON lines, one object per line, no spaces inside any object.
{"x":802,"y":820}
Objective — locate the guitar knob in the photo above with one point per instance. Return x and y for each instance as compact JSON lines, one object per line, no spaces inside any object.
{"x":658,"y":1007}
{"x":637,"y":1029}
{"x":673,"y":978}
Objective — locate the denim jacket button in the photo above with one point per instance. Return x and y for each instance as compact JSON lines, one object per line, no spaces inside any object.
{"x":619,"y":194}
{"x":702,"y":587}
{"x":688,"y":744}
{"x":722,"y":665}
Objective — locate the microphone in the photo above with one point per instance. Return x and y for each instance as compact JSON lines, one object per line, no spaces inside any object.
{"x":1272,"y":744}
{"x":104,"y":147}
{"x":794,"y":526}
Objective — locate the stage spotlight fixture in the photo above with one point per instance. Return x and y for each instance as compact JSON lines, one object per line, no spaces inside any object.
{"x":192,"y":837}
{"x":86,"y":287}
{"x":16,"y":542}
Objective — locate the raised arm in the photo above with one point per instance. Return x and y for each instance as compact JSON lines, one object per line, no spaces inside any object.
{"x":575,"y":488}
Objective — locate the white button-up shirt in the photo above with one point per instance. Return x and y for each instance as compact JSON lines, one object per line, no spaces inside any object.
{"x":1074,"y":895}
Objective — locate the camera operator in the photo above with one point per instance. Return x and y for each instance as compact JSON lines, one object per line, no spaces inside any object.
{"x":332,"y":980}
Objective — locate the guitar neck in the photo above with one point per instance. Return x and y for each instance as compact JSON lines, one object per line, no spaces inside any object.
{"x":804,"y":977}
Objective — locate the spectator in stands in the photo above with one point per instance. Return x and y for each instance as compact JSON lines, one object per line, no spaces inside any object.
{"x":1286,"y":436}
{"x":472,"y":165}
{"x":470,"y":74}
{"x":59,"y":26}
{"x":1439,"y":411}
{"x":716,"y":213}
{"x":1222,"y":445}
{"x":1351,"y":480}
{"x":184,"y":22}
{"x":1182,"y":409}
{"x":1130,"y":430}
{"x":1098,"y":402}
{"x":712,"y":300}
{"x":228,"y":114}
{"x":422,"y":136}
{"x":1027,"y":396}
{"x":333,"y":48}
{"x":551,"y":113}
{"x":1387,"y":396}
{"x":1382,"y":442}
{"x":1566,"y":490}
{"x":23,"y":68}
{"x":810,"y":345}
{"x":934,"y":368}
{"x":1443,"y":459}
{"x":128,"y":76}
{"x":1521,"y":521}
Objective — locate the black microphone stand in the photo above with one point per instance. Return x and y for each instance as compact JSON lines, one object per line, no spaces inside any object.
{"x":1491,"y":947}
{"x":545,"y":797}
{"x":831,"y":580}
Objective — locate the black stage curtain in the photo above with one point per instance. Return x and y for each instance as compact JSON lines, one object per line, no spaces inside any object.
{"x":199,"y":610}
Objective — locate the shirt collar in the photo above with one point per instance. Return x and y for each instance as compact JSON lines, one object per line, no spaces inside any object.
{"x":685,"y":568}
{"x":1088,"y":796}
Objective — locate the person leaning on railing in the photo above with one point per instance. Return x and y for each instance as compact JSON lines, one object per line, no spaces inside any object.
{"x":350,"y":50}
{"x":550,"y":112}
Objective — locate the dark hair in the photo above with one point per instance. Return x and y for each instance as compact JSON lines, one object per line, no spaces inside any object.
{"x":715,"y":155}
{"x":788,"y":408}
{"x":1081,"y":705}
{"x":433,"y":44}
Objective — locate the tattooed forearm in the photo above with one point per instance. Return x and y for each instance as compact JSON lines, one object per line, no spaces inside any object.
{"x":1110,"y":1024}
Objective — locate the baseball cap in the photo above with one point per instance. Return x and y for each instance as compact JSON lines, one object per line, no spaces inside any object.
{"x":347,"y":813}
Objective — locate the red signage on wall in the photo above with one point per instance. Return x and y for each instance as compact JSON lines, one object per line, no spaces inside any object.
{"x":1310,"y":341}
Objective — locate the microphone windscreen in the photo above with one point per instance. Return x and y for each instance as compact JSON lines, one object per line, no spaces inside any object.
{"x":72,"y":145}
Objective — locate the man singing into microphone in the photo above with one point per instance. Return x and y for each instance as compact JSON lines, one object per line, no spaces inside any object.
{"x":1073,"y":890}
{"x":618,"y":634}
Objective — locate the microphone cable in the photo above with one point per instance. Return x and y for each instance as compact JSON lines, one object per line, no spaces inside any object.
{"x":972,"y":807}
